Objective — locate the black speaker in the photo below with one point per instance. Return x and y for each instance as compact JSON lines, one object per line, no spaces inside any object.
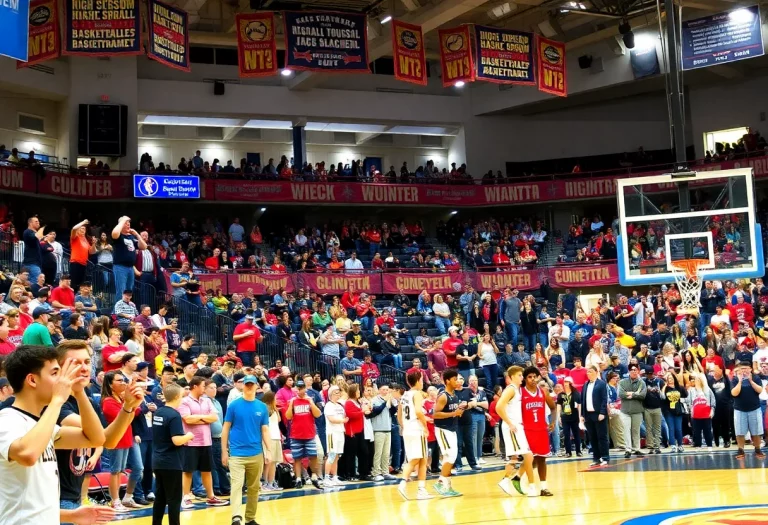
{"x":585,"y":61}
{"x":218,"y":87}
{"x":102,"y":130}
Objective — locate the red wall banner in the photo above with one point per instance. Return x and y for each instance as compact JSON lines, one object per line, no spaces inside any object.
{"x":456,"y":55}
{"x":550,"y":63}
{"x":408,"y":53}
{"x":412,"y":283}
{"x":256,"y":46}
{"x":44,"y":42}
{"x":343,"y":193}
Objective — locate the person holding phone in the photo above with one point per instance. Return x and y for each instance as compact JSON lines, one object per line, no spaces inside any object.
{"x":746,"y":388}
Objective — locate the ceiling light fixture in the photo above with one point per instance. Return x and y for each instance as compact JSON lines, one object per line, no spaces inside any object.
{"x":459,"y":84}
{"x":286,"y":72}
{"x":386,"y":19}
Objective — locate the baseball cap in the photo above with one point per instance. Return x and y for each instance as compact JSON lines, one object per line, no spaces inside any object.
{"x":568,"y":379}
{"x":452,"y":329}
{"x":40,"y":310}
{"x":249,"y":380}
{"x":300,"y":384}
{"x":356,"y":322}
{"x":141,"y":366}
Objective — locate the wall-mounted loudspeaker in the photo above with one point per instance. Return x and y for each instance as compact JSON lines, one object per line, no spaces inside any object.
{"x":218,"y":87}
{"x":585,"y":61}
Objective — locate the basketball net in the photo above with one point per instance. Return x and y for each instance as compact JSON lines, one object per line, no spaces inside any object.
{"x":689,"y":283}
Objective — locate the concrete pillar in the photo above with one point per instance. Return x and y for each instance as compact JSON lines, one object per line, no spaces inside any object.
{"x":299,"y":146}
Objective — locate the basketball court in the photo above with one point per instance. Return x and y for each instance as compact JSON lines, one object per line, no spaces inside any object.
{"x":673,"y":489}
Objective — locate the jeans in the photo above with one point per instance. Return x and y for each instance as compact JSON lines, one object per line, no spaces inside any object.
{"x":442,"y":324}
{"x":219,"y":472}
{"x":398,"y":360}
{"x":197,"y":483}
{"x":530,"y":342}
{"x":466,"y":447}
{"x":512,"y":330}
{"x":396,"y":446}
{"x":34,"y":272}
{"x":543,"y":339}
{"x":571,"y":428}
{"x":554,"y":438}
{"x":675,"y":425}
{"x":66,"y":504}
{"x":704,"y":320}
{"x":136,"y":466}
{"x":124,"y":279}
{"x":246,"y":357}
{"x":491,"y":373}
{"x":478,"y":431}
{"x":147,"y":482}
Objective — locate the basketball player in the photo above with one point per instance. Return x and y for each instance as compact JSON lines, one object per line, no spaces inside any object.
{"x":533,"y":400}
{"x":410,"y":415}
{"x":509,"y":408}
{"x":446,"y":416}
{"x":335,"y":417}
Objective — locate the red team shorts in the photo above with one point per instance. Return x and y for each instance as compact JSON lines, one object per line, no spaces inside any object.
{"x":538,"y":441}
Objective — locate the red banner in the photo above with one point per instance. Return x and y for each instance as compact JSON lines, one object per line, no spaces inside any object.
{"x":550,"y":63}
{"x":341,"y":193}
{"x":338,"y":283}
{"x":408,"y":53}
{"x":44,"y":42}
{"x":456,"y":55}
{"x":256,"y":46}
{"x":241,"y":282}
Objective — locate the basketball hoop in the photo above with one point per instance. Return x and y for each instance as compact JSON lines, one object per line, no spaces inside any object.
{"x":686,"y":272}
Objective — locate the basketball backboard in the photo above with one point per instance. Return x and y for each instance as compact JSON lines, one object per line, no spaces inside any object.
{"x":720,"y":227}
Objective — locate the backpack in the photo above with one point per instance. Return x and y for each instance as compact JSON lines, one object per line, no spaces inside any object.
{"x":284,"y":476}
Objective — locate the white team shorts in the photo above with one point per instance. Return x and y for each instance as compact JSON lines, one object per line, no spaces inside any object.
{"x":319,"y":445}
{"x":415,"y":447}
{"x":335,"y":442}
{"x":515,"y":443}
{"x":449,"y":446}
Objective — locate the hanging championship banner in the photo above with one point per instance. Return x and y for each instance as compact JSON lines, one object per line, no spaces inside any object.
{"x":329,"y":42}
{"x":408,"y":53}
{"x":550,"y":61}
{"x":102,"y":29}
{"x":44,"y":41}
{"x":504,"y":56}
{"x":256,"y":46}
{"x":456,"y":56}
{"x":168,"y":35}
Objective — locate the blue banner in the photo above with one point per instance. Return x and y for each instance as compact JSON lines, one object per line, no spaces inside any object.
{"x":326,"y":41}
{"x":168,"y":35}
{"x":504,"y":56}
{"x":722,"y":38}
{"x":14,"y":19}
{"x":645,"y":62}
{"x":166,"y":187}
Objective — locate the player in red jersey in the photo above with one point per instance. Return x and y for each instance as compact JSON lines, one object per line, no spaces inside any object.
{"x":534,"y":400}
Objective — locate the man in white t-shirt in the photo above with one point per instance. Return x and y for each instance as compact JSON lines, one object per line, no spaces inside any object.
{"x":760,"y":356}
{"x":353,"y":263}
{"x":29,"y":492}
{"x":721,"y":316}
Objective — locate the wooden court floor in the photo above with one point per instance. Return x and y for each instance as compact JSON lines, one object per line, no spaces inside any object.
{"x":686,"y":489}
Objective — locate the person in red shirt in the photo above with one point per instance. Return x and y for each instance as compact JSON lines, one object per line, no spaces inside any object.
{"x":385,"y":322}
{"x":112,"y":353}
{"x":354,"y":444}
{"x":528,"y":255}
{"x":246,"y":336}
{"x":15,"y":329}
{"x":711,"y":361}
{"x":369,"y":369}
{"x":377,"y":263}
{"x":578,"y":374}
{"x":231,"y":355}
{"x":449,"y":347}
{"x":63,"y":296}
{"x":212,"y":263}
{"x":417,"y":368}
{"x":277,"y":266}
{"x":302,"y":412}
{"x":113,"y":391}
{"x":500,"y":258}
{"x":349,"y":300}
{"x":6,"y":347}
{"x":741,"y":312}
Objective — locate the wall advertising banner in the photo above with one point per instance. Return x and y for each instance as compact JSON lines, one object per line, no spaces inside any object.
{"x":168,"y":35}
{"x":550,"y":62}
{"x":456,"y":55}
{"x":100,"y":29}
{"x":256,"y":45}
{"x":504,"y":56}
{"x":721,"y":38}
{"x":408,"y":53}
{"x":14,"y":20}
{"x":326,"y":41}
{"x":44,"y":42}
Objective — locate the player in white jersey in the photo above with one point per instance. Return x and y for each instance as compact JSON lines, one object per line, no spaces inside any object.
{"x":410,"y":415}
{"x":335,"y":417}
{"x":509,"y":409}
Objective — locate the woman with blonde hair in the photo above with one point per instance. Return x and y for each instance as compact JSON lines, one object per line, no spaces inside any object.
{"x":703,"y":405}
{"x":276,"y":446}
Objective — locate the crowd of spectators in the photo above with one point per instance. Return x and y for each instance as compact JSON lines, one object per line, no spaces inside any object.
{"x":752,"y":143}
{"x":308,"y":172}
